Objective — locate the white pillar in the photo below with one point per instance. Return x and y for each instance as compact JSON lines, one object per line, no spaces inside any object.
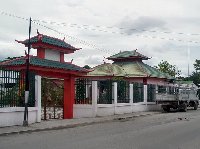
{"x":156,"y":96}
{"x":156,"y":88}
{"x":94,"y":97}
{"x":145,"y":94}
{"x":115,"y":96}
{"x":131,"y":93}
{"x":167,"y":89}
{"x":38,"y":97}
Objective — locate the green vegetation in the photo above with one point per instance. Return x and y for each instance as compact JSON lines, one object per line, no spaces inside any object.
{"x":166,"y":67}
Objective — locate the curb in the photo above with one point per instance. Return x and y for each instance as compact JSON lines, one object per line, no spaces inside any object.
{"x":123,"y":118}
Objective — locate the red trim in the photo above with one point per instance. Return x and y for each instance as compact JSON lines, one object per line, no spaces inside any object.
{"x":145,"y":81}
{"x":53,"y":75}
{"x":62,"y":57}
{"x":41,"y":53}
{"x":69,"y":94}
{"x":48,"y":71}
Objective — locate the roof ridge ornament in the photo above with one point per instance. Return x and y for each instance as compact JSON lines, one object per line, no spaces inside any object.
{"x":38,"y":32}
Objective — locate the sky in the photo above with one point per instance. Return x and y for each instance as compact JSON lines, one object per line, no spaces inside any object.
{"x":160,"y":29}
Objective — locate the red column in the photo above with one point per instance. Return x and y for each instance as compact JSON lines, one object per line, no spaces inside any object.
{"x":62,"y":57}
{"x":145,"y":81}
{"x":41,"y":53}
{"x":69,"y":93}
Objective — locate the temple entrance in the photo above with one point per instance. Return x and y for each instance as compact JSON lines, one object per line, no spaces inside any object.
{"x":52,"y":98}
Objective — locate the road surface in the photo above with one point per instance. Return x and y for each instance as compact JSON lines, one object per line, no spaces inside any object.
{"x":160,"y":131}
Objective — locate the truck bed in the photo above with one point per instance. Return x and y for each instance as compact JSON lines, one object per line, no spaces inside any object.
{"x":165,"y":97}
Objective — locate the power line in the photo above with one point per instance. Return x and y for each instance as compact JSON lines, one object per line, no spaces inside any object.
{"x":60,"y":33}
{"x":114,"y":27}
{"x":93,"y":45}
{"x":123,"y":33}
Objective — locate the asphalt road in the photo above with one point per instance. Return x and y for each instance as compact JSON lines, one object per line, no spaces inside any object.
{"x":161,"y":131}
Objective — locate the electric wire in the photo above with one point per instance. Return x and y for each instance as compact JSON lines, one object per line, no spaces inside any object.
{"x":39,"y":22}
{"x":115,"y":27}
{"x":60,"y":33}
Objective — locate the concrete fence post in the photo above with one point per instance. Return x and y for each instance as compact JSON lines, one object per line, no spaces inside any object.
{"x":38,"y":97}
{"x":156,"y":88}
{"x":145,"y":94}
{"x":115,"y":96}
{"x":131,"y":92}
{"x":94,"y":97}
{"x":131,"y":95}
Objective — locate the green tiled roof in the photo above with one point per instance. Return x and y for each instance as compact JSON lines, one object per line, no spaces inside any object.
{"x":132,"y":69}
{"x":49,"y":40}
{"x":153,"y":72}
{"x":44,"y":63}
{"x":107,"y":70}
{"x":128,"y":69}
{"x":128,"y":54}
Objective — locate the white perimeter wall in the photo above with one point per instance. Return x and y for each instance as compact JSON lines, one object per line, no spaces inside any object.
{"x":11,"y":116}
{"x":111,"y":109}
{"x":15,"y":116}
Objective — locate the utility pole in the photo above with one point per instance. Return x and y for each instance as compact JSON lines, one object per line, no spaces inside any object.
{"x":188,"y":52}
{"x":25,"y":122}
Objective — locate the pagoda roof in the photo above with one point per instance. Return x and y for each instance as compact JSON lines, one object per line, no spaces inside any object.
{"x":128,"y":69}
{"x":137,"y":69}
{"x":107,"y":69}
{"x":44,"y":40}
{"x":43,"y":63}
{"x":128,"y":55}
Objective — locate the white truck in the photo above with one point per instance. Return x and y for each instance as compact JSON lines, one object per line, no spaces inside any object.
{"x":184,"y":95}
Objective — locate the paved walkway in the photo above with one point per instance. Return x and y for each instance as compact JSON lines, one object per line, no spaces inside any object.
{"x":67,"y":123}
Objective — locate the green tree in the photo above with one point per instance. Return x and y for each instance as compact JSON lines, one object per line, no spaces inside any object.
{"x":195,"y":77}
{"x":197,"y":65}
{"x":166,"y":67}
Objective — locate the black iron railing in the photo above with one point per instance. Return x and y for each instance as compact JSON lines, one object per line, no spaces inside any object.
{"x":123,"y":91}
{"x":138,"y":92}
{"x":12,"y":88}
{"x":83,"y":91}
{"x":105,"y":92}
{"x":151,"y":92}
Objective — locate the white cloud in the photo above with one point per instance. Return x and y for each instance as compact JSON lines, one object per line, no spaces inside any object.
{"x":160,"y":15}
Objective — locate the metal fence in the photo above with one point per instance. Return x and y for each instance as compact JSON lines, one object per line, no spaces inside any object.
{"x":123,"y":95}
{"x":138,"y":92}
{"x":171,"y":90}
{"x":83,"y":91}
{"x":12,"y":86}
{"x":105,"y":92}
{"x":162,"y":89}
{"x":151,"y":92}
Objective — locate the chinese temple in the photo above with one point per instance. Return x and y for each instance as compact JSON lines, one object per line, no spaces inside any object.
{"x":49,"y":62}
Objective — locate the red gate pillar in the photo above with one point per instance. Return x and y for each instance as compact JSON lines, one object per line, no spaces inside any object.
{"x":69,"y":92}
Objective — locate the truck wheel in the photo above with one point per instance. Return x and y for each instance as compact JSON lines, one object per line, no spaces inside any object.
{"x":183,"y":107}
{"x":195,"y":106}
{"x":166,"y":108}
